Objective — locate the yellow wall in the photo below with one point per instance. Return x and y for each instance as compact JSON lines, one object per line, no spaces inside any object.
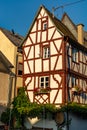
{"x":7,"y":48}
{"x":4,"y":82}
{"x":10,"y":52}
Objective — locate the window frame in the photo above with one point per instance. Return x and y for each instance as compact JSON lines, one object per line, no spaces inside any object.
{"x":20,"y":71}
{"x":46,"y":52}
{"x":44,"y":82}
{"x":44,"y":25}
{"x":74,"y":81}
{"x":74,"y":55}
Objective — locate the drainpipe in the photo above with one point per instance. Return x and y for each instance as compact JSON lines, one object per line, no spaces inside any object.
{"x":80,"y":33}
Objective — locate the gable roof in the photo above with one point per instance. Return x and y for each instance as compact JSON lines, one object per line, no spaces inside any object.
{"x":58,"y":24}
{"x":13,"y":37}
{"x":73,"y":28}
{"x":65,"y":15}
{"x":69,"y":24}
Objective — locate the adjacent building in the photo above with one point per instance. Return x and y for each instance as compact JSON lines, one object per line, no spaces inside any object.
{"x":10,"y":65}
{"x":77,"y":30}
{"x":54,"y":61}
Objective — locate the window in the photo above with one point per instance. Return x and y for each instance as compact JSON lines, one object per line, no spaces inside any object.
{"x":20,"y":69}
{"x":44,"y":25}
{"x":18,"y":90}
{"x":75,"y":55}
{"x":74,"y":81}
{"x":44,"y":82}
{"x":46,"y":52}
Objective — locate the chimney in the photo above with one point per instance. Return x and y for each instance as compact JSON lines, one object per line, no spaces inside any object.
{"x":80,"y":33}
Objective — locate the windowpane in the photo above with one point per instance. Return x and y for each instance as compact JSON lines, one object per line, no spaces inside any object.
{"x":20,"y":68}
{"x":45,"y":26}
{"x":48,"y":52}
{"x":45,"y":52}
{"x":42,"y":79}
{"x":46,"y":84}
{"x":19,"y":72}
{"x":74,"y":81}
{"x":74,"y":54}
{"x":47,"y":78}
{"x":42,"y":84}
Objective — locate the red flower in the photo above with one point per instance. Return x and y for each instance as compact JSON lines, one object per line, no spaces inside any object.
{"x":36,"y":89}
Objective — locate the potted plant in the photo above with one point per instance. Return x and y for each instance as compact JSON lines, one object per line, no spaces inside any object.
{"x":76,"y":90}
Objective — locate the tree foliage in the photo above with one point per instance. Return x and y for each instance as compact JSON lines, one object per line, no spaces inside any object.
{"x":22,"y":106}
{"x":77,"y":109}
{"x":5,"y":116}
{"x":21,"y":102}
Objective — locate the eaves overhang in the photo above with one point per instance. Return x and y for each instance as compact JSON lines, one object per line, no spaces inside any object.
{"x":75,"y":44}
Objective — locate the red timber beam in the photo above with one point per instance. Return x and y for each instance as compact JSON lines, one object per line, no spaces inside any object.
{"x":64,"y":60}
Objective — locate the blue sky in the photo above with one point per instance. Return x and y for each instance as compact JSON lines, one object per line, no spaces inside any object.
{"x":19,"y":14}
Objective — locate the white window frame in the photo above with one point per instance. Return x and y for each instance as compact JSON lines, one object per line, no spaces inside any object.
{"x":44,"y":82}
{"x":46,"y":52}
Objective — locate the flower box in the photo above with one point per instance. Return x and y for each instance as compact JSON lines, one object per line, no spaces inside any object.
{"x":42,"y":90}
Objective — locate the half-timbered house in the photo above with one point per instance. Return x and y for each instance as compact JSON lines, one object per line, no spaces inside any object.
{"x":55,"y":63}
